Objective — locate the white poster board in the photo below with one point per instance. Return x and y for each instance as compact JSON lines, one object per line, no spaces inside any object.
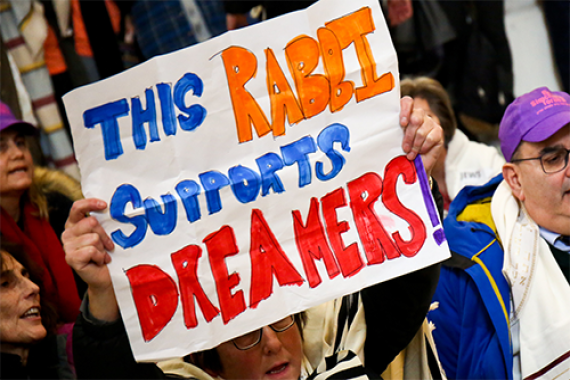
{"x":253,"y":176}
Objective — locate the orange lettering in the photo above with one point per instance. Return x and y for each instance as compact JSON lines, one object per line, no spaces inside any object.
{"x":241,"y":66}
{"x":341,"y":91}
{"x":281,"y":95}
{"x":353,"y":29}
{"x":313,"y":90}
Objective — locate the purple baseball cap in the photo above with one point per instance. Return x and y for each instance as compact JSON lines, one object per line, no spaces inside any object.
{"x":8,"y":120}
{"x":533,"y":117}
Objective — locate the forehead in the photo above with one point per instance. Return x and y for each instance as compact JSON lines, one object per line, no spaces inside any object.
{"x":11,"y":133}
{"x":9,"y":263}
{"x":559,"y":139}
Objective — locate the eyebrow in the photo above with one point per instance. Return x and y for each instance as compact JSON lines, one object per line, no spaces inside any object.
{"x":550,"y":149}
{"x":5,"y":273}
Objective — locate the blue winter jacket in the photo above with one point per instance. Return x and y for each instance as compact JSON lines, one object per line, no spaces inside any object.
{"x":472,"y":332}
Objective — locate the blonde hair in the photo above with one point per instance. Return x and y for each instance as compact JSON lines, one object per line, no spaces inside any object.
{"x":49,"y":180}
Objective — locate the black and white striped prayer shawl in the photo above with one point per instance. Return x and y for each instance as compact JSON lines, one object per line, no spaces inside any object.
{"x":343,"y":365}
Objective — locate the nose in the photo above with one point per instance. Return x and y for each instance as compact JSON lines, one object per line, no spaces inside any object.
{"x":31,"y":289}
{"x":14,"y":150}
{"x":271,"y":341}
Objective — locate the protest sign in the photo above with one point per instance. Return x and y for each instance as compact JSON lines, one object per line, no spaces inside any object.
{"x":253,"y":176}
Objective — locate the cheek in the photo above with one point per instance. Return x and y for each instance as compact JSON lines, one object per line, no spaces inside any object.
{"x":294,"y":344}
{"x":238,"y":364}
{"x":28,"y":158}
{"x":8,"y":320}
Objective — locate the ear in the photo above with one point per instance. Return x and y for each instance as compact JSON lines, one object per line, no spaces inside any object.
{"x":512,"y":174}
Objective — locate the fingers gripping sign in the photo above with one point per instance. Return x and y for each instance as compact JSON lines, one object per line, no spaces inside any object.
{"x":86,"y":243}
{"x":422,"y":135}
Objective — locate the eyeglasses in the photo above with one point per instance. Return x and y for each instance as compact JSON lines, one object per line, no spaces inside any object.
{"x":249,"y":340}
{"x":551,"y":162}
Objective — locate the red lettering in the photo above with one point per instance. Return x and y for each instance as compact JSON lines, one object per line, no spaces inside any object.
{"x":222,"y":244}
{"x":402,"y":166}
{"x":185,"y":262}
{"x":312,"y":244}
{"x":267,"y":260}
{"x":348,"y":258}
{"x":364,"y":192}
{"x":156,"y":298}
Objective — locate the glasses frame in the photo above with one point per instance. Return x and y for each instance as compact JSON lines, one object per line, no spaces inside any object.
{"x":542,"y":164}
{"x":261,"y":334}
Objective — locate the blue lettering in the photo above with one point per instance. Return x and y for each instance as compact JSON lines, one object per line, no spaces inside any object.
{"x":268,"y":164}
{"x":196,"y":113}
{"x":141,"y":116}
{"x":245,"y":183}
{"x":107,"y":115}
{"x":333,"y":133}
{"x":124,"y":194}
{"x":298,"y":152}
{"x":167,"y":108}
{"x":161,"y":223}
{"x":188,"y":191}
{"x":212,"y":182}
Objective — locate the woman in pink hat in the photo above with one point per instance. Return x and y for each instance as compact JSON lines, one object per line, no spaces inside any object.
{"x":29,"y":214}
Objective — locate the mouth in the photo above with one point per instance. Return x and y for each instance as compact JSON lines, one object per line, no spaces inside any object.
{"x":280,"y":368}
{"x":22,"y":169}
{"x":33,"y":312}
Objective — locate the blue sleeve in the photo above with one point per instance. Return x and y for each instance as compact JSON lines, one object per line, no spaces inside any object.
{"x":465,"y":337}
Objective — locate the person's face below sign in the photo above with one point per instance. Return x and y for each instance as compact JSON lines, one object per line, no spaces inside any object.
{"x":16,"y":164}
{"x":20,"y":319}
{"x":277,"y":356}
{"x":546,"y":196}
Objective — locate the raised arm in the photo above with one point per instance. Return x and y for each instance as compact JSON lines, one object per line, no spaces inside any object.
{"x":86,"y":244}
{"x":395,"y":310}
{"x":422,"y":135}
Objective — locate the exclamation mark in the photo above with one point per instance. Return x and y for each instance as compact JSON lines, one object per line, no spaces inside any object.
{"x":438,"y":235}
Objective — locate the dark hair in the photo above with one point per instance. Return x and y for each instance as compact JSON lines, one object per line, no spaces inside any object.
{"x":515,"y":154}
{"x":48,"y":313}
{"x":433,"y":92}
{"x":210,"y":359}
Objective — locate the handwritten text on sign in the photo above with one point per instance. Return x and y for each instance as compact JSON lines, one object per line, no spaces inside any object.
{"x":253,"y":176}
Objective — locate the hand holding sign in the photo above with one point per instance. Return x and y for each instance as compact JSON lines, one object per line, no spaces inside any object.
{"x":86,"y":244}
{"x":252,"y":176}
{"x":421,"y":134}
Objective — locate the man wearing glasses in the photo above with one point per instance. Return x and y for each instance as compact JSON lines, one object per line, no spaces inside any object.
{"x":504,"y":296}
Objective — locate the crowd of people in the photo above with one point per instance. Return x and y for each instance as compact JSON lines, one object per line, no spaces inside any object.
{"x":499,"y":308}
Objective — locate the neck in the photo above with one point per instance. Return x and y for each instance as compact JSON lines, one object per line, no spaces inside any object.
{"x":17,"y":350}
{"x":11,"y":204}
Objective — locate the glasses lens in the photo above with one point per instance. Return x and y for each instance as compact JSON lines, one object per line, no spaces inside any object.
{"x":555,"y":161}
{"x":283,"y":324}
{"x":248,"y":340}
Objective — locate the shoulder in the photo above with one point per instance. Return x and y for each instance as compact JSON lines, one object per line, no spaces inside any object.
{"x":60,"y":191}
{"x":469,"y":222}
{"x":55,"y":181}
